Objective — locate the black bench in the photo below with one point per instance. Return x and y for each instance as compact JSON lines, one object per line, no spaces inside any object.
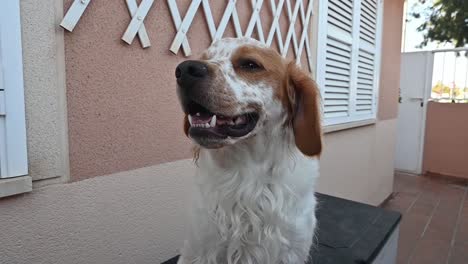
{"x":351,"y":232}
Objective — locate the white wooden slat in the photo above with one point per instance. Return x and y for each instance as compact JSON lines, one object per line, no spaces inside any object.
{"x":336,"y":83}
{"x":355,"y":56}
{"x":74,"y":14}
{"x":336,"y":64}
{"x":305,"y":23}
{"x":225,"y":19}
{"x":142,"y":34}
{"x":346,"y":3}
{"x":336,"y":102}
{"x":305,"y":29}
{"x":184,"y":26}
{"x":336,"y":96}
{"x":340,"y":15}
{"x":13,"y":144}
{"x":338,"y":58}
{"x":330,"y":115}
{"x":336,"y":90}
{"x":337,"y":77}
{"x":209,"y":18}
{"x":177,"y":23}
{"x":291,"y":29}
{"x":255,"y":21}
{"x":275,"y":27}
{"x":337,"y":71}
{"x":340,"y":35}
{"x":362,"y":96}
{"x":137,"y":21}
{"x":337,"y":108}
{"x":236,"y":22}
{"x":365,"y":92}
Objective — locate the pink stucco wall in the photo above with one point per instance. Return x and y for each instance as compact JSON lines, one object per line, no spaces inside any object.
{"x":122,"y":106}
{"x":446,"y":141}
{"x":390,"y":60}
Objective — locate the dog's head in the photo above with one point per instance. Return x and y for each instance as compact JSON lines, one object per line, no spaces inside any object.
{"x":240,"y":88}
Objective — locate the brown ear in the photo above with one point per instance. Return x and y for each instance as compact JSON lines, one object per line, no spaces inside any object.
{"x":186,"y":125}
{"x":304,"y":97}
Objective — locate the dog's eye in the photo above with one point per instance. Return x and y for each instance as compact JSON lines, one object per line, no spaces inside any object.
{"x":249,"y":65}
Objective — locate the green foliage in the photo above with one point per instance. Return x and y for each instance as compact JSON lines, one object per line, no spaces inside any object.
{"x":440,"y":89}
{"x":445,"y":21}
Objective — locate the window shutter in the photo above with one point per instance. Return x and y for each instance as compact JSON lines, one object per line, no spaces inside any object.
{"x":349,"y":39}
{"x":13,"y":153}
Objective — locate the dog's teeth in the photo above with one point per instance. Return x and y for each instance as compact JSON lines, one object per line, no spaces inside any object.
{"x":190,"y":119}
{"x":238,"y":121}
{"x":207,"y":125}
{"x":197,"y":114}
{"x":213,"y":121}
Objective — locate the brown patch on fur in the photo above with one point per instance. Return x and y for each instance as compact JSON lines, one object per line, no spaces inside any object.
{"x":303,"y":96}
{"x":273,"y":64}
{"x":293,"y":87}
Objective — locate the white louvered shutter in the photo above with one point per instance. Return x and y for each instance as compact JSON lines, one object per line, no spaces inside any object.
{"x":13,"y":154}
{"x":348,"y":61}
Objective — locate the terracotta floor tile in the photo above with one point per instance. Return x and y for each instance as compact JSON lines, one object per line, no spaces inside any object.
{"x":431,"y":218}
{"x":430,"y":251}
{"x":401,"y":201}
{"x":459,"y":254}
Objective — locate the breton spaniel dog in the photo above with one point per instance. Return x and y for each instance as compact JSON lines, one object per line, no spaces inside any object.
{"x":255,"y":122}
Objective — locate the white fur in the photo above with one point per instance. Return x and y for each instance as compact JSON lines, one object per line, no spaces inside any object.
{"x":254,"y":201}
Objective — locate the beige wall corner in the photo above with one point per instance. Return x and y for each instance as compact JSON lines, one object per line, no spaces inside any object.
{"x":45,"y":93}
{"x":136,"y":216}
{"x":358,"y":163}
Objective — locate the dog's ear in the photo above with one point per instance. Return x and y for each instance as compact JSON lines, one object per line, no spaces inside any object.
{"x":186,"y":125}
{"x":304,"y":96}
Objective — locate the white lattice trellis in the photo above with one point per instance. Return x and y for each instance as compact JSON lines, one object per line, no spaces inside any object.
{"x":299,"y":13}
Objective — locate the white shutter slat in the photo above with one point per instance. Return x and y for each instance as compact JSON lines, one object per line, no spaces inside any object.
{"x":337,"y":79}
{"x":336,"y":90}
{"x":340,"y":15}
{"x":336,"y":96}
{"x":368,"y":21}
{"x":365,"y":82}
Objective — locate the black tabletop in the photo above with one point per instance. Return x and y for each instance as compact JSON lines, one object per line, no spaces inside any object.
{"x":347,"y":231}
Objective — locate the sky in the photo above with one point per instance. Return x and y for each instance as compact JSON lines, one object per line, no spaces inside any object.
{"x":448,"y":68}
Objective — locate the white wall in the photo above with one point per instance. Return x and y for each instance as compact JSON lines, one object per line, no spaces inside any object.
{"x":358,"y":163}
{"x":136,"y":217}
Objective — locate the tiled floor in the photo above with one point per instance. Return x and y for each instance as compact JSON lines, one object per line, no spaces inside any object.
{"x":434,"y":228}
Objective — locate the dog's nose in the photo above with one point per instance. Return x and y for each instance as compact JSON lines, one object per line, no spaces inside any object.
{"x":191,"y":70}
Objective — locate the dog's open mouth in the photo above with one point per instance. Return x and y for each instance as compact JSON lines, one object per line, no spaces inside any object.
{"x":206,"y":124}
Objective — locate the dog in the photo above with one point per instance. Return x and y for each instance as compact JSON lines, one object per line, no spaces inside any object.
{"x":255,"y":121}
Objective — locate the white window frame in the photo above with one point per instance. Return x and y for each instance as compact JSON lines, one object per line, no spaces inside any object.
{"x":353,"y":119}
{"x":13,"y":144}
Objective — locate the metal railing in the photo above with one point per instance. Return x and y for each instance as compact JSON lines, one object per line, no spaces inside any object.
{"x":450,"y":76}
